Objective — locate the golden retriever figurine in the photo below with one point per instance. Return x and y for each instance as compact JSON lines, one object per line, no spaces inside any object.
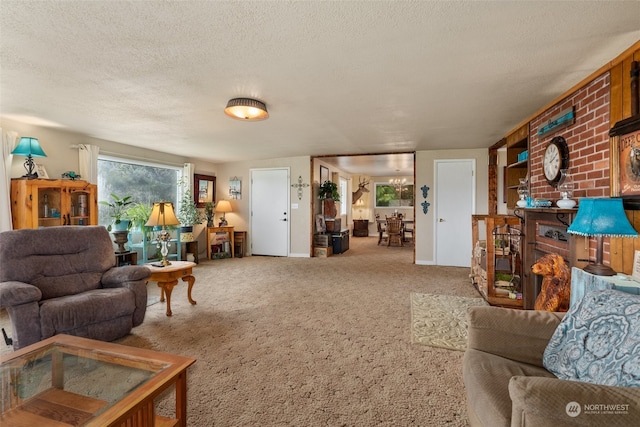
{"x":556,"y":283}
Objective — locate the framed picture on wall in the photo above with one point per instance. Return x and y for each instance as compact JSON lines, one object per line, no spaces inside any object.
{"x":204,"y":189}
{"x":324,"y":174}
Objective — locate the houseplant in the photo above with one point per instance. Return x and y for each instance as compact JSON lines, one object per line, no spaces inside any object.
{"x":188,"y":215}
{"x":118,"y":211}
{"x":329,"y":194}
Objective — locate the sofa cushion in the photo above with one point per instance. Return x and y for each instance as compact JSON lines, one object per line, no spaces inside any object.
{"x":486,"y":379}
{"x":598,"y":341}
{"x":64,"y":314}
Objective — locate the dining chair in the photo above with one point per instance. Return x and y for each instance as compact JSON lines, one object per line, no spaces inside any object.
{"x":381,"y":230}
{"x":394,"y":231}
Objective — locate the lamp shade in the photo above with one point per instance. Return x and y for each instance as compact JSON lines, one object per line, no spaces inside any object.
{"x":223,"y":206}
{"x":246,"y":109}
{"x":162,"y":214}
{"x":29,"y":146}
{"x":603,"y":217}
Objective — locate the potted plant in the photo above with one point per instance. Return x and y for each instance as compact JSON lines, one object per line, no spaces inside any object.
{"x":188,"y":215}
{"x":118,"y":211}
{"x":329,"y":194}
{"x":139,"y":214}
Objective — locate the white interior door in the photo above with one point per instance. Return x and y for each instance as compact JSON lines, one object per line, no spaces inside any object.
{"x":455,"y":203}
{"x":270,"y":212}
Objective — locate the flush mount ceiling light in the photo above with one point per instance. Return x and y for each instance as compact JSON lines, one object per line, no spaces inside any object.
{"x":246,"y":109}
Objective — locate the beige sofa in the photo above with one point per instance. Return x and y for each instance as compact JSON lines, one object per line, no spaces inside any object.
{"x":507,"y":384}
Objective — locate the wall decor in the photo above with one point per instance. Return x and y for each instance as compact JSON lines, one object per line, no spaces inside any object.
{"x":425,"y":207}
{"x":559,"y":121}
{"x":204,"y":189}
{"x":235,"y":188}
{"x":300,"y":185}
{"x":625,"y":161}
{"x":425,"y":191}
{"x":324,"y":175}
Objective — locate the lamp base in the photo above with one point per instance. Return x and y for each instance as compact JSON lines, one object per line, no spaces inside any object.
{"x":600,"y":270}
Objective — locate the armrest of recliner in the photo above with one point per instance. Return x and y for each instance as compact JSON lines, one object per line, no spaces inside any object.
{"x":118,"y":276}
{"x":540,"y":401}
{"x":520,"y":335}
{"x":14,"y":293}
{"x":133,"y":277}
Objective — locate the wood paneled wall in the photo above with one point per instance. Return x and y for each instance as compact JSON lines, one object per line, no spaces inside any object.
{"x":621,"y":251}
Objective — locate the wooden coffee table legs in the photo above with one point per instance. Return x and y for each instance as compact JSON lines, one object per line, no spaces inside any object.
{"x":167,"y":287}
{"x":167,"y":277}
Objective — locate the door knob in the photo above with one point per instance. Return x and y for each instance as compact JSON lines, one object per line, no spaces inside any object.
{"x":441,"y":220}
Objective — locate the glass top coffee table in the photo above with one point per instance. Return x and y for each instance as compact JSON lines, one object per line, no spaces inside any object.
{"x":72,"y":381}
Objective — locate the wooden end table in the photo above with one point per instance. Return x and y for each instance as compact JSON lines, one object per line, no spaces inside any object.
{"x":167,"y":277}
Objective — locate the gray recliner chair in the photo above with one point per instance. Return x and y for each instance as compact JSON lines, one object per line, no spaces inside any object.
{"x":63,"y":280}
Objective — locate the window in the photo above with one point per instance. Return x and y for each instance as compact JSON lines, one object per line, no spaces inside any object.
{"x":144,"y":182}
{"x":390,"y":196}
{"x":343,"y":196}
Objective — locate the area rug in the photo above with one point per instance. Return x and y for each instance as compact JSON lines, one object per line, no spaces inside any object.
{"x":441,"y":320}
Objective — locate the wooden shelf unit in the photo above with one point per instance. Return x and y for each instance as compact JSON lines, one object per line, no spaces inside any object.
{"x":517,"y":143}
{"x":497,"y":248}
{"x":75,"y":202}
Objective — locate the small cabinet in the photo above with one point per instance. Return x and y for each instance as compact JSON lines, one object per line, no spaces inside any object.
{"x":50,"y":202}
{"x":496,"y":266}
{"x":360,"y":228}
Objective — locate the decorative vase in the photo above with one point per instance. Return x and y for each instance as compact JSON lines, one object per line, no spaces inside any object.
{"x":329,"y":208}
{"x":121,"y":237}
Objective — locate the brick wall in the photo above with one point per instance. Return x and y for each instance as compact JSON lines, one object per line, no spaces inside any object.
{"x":587,"y":138}
{"x":588,"y":141}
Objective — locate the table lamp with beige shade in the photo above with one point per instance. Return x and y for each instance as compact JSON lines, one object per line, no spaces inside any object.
{"x":163,"y":215}
{"x":223,"y":206}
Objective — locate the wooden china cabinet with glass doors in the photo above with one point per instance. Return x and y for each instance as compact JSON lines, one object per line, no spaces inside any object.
{"x":49,"y":202}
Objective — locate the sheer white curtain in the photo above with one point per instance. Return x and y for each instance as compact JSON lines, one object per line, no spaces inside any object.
{"x":187,"y":176}
{"x":88,"y":156}
{"x":8,"y":143}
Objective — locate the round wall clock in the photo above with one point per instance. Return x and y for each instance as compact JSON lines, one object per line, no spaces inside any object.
{"x":556,"y":158}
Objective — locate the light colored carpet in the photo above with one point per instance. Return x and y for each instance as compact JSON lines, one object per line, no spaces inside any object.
{"x":441,"y":320}
{"x":310,"y":341}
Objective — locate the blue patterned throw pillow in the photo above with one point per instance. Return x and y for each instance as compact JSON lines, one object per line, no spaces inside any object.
{"x":598,"y":341}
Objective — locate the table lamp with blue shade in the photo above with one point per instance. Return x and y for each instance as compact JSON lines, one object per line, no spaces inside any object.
{"x":602,"y":217}
{"x":30,"y":148}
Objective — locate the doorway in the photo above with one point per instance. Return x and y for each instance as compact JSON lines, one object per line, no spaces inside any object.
{"x":270,"y":212}
{"x":455,"y":201}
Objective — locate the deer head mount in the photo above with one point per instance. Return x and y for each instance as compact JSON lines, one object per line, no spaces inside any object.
{"x":355,"y":196}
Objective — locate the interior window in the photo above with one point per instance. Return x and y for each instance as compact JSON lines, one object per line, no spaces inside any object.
{"x":144,"y":182}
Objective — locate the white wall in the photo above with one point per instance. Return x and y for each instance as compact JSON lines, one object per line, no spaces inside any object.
{"x":61,"y":158}
{"x":425,"y":175}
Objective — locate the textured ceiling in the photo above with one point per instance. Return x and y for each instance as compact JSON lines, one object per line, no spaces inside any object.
{"x":337,"y":77}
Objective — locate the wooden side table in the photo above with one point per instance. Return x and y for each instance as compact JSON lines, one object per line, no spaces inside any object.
{"x":227,"y":229}
{"x":126,"y":258}
{"x":167,"y":277}
{"x":360,"y":228}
